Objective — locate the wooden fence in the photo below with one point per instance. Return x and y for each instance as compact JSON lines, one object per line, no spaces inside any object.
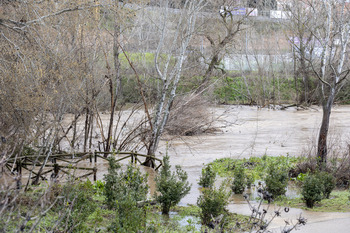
{"x":67,"y":163}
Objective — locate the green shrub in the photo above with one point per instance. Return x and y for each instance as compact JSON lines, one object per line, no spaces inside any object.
{"x":170,"y":187}
{"x":121,"y":184}
{"x":249,"y":179}
{"x":99,"y":187}
{"x":312,"y":190}
{"x":129,"y":217}
{"x":276,"y":179}
{"x":231,"y":90}
{"x":212,"y":203}
{"x":208,"y":177}
{"x":123,"y":190}
{"x":328,"y":182}
{"x":77,"y":204}
{"x":239,"y":182}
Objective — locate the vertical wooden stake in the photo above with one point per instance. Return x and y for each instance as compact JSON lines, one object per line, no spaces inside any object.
{"x":95,"y":173}
{"x":56,"y":169}
{"x":20,"y":167}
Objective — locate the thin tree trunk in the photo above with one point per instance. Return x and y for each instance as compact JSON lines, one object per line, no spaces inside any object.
{"x":86,"y":135}
{"x":114,"y":94}
{"x":322,"y":139}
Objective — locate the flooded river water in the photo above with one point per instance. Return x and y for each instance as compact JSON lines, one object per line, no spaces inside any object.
{"x":249,"y":131}
{"x":245,"y":131}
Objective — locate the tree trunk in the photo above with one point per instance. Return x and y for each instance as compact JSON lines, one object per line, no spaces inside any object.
{"x":170,"y":79}
{"x":306,"y":79}
{"x":322,"y":138}
{"x":114,"y":87}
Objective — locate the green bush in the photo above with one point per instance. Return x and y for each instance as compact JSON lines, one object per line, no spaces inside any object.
{"x":231,"y":90}
{"x":249,"y":179}
{"x":99,"y":187}
{"x":276,"y":179}
{"x":239,"y":182}
{"x":328,"y":182}
{"x":123,"y":190}
{"x":129,"y":217}
{"x":77,"y":204}
{"x":212,"y":203}
{"x":312,"y":190}
{"x":121,"y":184}
{"x":208,"y":177}
{"x":170,"y":187}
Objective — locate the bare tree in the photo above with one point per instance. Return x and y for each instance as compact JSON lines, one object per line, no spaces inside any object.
{"x":230,"y":25}
{"x":175,"y":33}
{"x":326,"y":35}
{"x":301,"y":39}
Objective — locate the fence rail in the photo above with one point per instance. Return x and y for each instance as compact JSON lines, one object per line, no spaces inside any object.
{"x":56,"y":163}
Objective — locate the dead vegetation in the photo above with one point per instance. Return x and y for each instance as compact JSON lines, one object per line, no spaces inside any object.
{"x":338,"y":165}
{"x":191,"y":115}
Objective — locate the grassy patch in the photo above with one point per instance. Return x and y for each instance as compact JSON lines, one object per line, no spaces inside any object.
{"x":255,"y":166}
{"x":192,"y":210}
{"x":338,"y":202}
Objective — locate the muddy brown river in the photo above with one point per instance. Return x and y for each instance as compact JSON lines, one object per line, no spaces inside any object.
{"x":245,"y":131}
{"x":249,"y":131}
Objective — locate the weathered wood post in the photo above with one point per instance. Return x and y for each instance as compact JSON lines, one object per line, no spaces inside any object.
{"x":18,"y":181}
{"x":95,"y":173}
{"x":18,"y":167}
{"x":56,"y":169}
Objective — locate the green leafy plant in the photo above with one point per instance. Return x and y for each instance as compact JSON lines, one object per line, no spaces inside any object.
{"x":213,"y":203}
{"x":129,"y":217}
{"x":312,"y":190}
{"x":122,"y":184}
{"x":123,"y":189}
{"x":256,"y":166}
{"x":170,"y":187}
{"x":328,"y":182}
{"x":208,"y":177}
{"x":239,"y":182}
{"x":249,"y":179}
{"x":77,"y":204}
{"x":301,"y":177}
{"x":99,"y":187}
{"x":276,"y":179}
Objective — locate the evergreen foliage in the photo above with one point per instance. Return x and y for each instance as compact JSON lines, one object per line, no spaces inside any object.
{"x":239,"y":181}
{"x":212,"y":203}
{"x":78,"y":198}
{"x":276,"y":179}
{"x":328,"y":182}
{"x":124,"y":183}
{"x":312,"y":190}
{"x":123,"y":190}
{"x":171,"y":187}
{"x":208,"y":177}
